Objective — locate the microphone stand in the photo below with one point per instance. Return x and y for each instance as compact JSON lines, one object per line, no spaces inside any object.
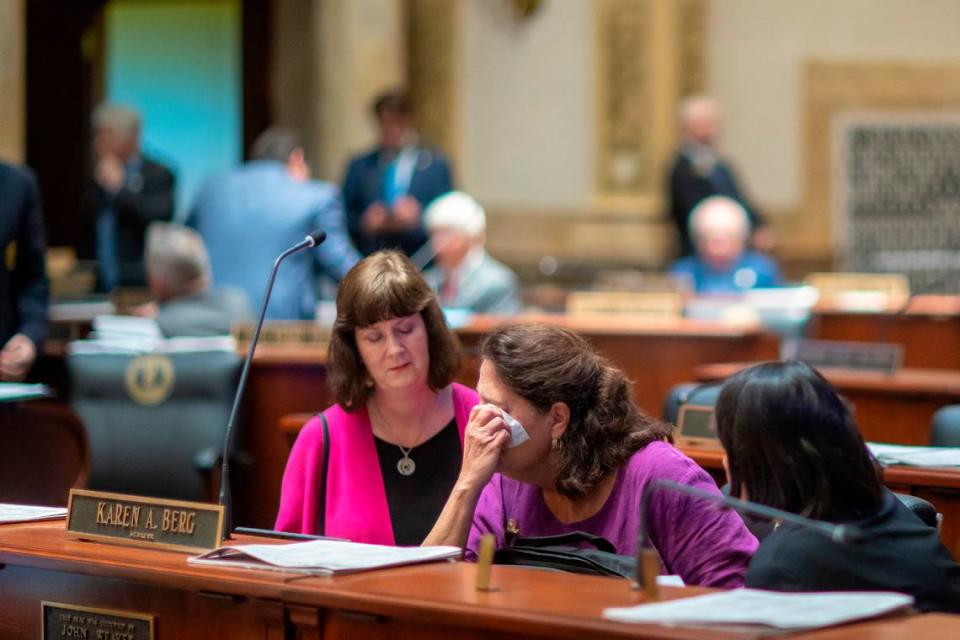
{"x":226,"y":497}
{"x":836,"y":532}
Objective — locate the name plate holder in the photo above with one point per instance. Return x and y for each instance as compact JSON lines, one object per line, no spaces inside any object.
{"x":284,"y":332}
{"x":648,"y":304}
{"x":117,"y":518}
{"x":867,"y":292}
{"x":72,"y":621}
{"x":882,"y":357}
{"x":697,"y":428}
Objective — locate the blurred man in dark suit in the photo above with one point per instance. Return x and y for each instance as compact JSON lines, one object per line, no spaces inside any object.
{"x":699,"y":171}
{"x":24,"y":289}
{"x":127,"y":192}
{"x":386,"y":189}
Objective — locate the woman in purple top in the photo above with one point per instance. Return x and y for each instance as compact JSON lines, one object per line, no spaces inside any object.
{"x":590,"y":454}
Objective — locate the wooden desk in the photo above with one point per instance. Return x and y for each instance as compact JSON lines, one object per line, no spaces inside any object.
{"x":941,"y":487}
{"x":656,"y":355}
{"x":426,"y":601}
{"x":895,"y":408}
{"x":928,"y":328}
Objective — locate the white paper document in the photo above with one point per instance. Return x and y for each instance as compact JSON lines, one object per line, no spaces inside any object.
{"x":767,"y":608}
{"x":915,"y":456}
{"x":323,"y":557}
{"x":19,"y":391}
{"x":10,"y":513}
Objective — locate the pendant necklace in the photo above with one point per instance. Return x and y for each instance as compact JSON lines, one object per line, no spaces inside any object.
{"x":405,"y":465}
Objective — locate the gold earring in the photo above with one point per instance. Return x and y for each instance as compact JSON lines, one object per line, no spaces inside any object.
{"x":555,"y":444}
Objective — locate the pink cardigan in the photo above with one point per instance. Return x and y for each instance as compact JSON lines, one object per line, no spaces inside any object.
{"x":356,"y":506}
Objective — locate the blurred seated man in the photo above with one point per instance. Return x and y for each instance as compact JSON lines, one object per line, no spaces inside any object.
{"x":722,"y":263}
{"x":127,"y":192}
{"x":178,"y":274}
{"x":465,"y":276}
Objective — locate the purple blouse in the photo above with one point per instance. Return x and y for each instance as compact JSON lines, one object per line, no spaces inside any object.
{"x":703,"y":545}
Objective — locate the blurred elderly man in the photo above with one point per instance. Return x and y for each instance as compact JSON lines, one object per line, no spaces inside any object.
{"x":128,"y":191}
{"x":699,"y":171}
{"x":249,"y":215}
{"x":178,"y":273}
{"x":465,"y":276}
{"x":720,"y":228}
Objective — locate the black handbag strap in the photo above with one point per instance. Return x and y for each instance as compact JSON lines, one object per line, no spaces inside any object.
{"x":571,"y":538}
{"x":320,"y":528}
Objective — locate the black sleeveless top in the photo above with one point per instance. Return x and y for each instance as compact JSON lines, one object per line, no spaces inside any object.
{"x":415,"y":501}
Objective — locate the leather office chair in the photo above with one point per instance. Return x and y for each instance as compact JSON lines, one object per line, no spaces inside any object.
{"x":155,"y":422}
{"x":922,"y":509}
{"x":43,"y":452}
{"x":945,"y":427}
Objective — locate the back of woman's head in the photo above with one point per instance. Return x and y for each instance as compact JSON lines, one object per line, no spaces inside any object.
{"x":545,"y":365}
{"x":383,"y":286}
{"x":791,"y":443}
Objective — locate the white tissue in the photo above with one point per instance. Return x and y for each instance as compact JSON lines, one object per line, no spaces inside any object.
{"x":518,"y":435}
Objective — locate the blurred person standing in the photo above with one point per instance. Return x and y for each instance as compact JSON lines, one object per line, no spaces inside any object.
{"x":178,"y":274}
{"x":127,"y":192}
{"x":24,"y":288}
{"x":387,"y":188}
{"x":699,"y":171}
{"x":465,"y":276}
{"x":249,"y":215}
{"x":723,"y":263}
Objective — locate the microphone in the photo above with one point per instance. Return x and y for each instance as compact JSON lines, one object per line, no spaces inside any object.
{"x":226,"y":499}
{"x":839,"y":533}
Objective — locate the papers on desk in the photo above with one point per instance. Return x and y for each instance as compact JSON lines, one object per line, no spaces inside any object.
{"x":10,"y":391}
{"x":322,"y":557}
{"x":131,"y":334}
{"x":915,"y":456}
{"x":766,"y":608}
{"x":10,"y":513}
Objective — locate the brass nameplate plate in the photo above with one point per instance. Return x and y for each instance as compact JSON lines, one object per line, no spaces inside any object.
{"x":621,"y":303}
{"x":697,"y":427}
{"x":284,"y":332}
{"x":861,"y":356}
{"x":71,"y":621}
{"x":144,"y":522}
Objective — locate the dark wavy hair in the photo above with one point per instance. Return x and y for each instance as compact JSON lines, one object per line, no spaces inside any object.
{"x":790,"y":440}
{"x":547,"y":364}
{"x":382,"y":286}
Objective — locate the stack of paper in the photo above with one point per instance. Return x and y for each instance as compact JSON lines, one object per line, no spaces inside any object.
{"x":323,"y":557}
{"x":10,"y":391}
{"x":916,"y":456}
{"x":767,"y":608}
{"x":131,"y":334}
{"x":25,"y":513}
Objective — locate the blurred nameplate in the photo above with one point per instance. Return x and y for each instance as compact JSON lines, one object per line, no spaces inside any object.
{"x":72,"y":621}
{"x":144,"y":522}
{"x":663,"y":305}
{"x":647,"y":281}
{"x":697,"y":427}
{"x":861,"y":291}
{"x":863,"y":356}
{"x":285,"y":332}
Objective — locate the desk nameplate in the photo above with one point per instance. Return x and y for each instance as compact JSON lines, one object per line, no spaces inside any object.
{"x":697,"y":427}
{"x":144,"y":522}
{"x":61,"y":620}
{"x":861,"y":356}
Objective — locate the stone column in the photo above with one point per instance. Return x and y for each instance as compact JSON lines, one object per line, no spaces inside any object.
{"x":359,"y":51}
{"x":12,"y":79}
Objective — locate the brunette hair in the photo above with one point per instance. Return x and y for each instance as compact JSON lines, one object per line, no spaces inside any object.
{"x":547,"y":364}
{"x":791,"y":442}
{"x":385,"y":285}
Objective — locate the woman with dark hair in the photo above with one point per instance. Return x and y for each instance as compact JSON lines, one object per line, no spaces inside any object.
{"x":791,"y":444}
{"x":590,"y":454}
{"x":395,"y":435}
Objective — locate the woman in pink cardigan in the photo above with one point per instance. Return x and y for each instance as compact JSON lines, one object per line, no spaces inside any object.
{"x":394,"y":440}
